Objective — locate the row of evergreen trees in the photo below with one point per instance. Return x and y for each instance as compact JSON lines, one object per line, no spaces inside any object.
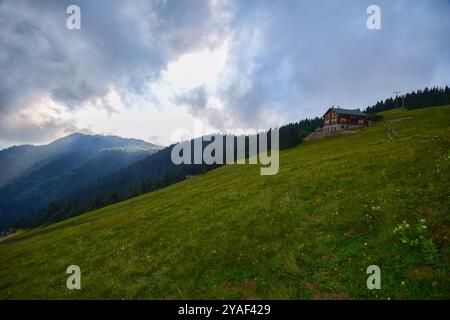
{"x":292,"y":134}
{"x":436,"y":96}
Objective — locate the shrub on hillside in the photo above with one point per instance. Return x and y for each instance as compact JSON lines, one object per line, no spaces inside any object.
{"x":417,"y":237}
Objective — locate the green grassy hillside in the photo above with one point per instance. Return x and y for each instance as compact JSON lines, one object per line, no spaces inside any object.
{"x":308,"y":232}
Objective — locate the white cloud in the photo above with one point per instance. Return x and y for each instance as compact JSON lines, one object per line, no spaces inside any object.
{"x":201,"y":68}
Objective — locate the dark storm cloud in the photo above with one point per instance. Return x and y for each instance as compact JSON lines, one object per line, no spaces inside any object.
{"x":299,"y":57}
{"x":196,"y":99}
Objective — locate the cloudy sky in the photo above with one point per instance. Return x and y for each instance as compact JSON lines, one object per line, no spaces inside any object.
{"x":147,"y":69}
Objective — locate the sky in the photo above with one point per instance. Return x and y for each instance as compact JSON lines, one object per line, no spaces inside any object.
{"x":165,"y":70}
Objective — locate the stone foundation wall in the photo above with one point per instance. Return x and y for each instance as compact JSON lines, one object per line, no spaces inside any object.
{"x":339,"y":127}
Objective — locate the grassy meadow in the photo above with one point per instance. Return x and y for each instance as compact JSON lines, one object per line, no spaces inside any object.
{"x":309,"y":232}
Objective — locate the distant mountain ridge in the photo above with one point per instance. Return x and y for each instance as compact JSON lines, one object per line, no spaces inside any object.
{"x":31,"y":176}
{"x":15,"y":160}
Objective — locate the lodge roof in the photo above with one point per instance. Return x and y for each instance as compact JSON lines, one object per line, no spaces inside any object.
{"x":348,"y":112}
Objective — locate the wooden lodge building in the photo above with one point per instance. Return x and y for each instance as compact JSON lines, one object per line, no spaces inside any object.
{"x":337,"y":119}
